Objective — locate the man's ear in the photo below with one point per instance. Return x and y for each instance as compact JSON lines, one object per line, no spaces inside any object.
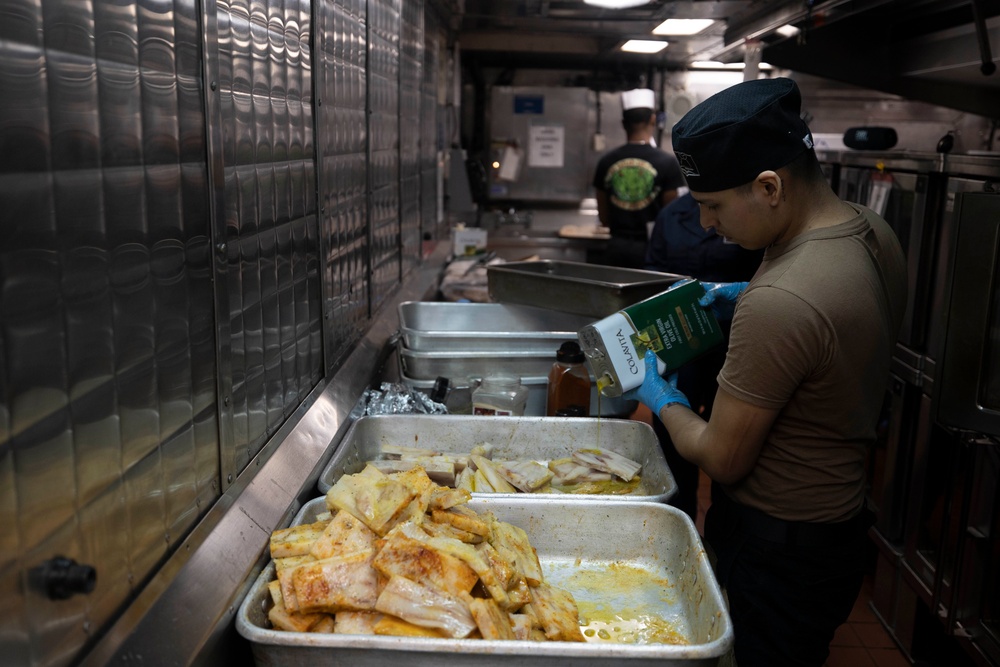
{"x":770,"y":185}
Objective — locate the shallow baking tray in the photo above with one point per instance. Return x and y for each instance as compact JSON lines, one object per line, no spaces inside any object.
{"x":594,"y":290}
{"x":427,"y":326}
{"x":538,"y":438}
{"x":654,"y":549}
{"x":420,"y":365}
{"x":538,"y":396}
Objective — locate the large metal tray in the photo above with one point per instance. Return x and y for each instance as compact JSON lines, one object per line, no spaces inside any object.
{"x":538,"y":396}
{"x":573,"y":287}
{"x":427,"y":326}
{"x":670,"y":578}
{"x":538,"y":438}
{"x":474,"y":364}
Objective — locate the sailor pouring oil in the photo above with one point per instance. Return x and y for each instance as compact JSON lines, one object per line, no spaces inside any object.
{"x":672,"y":324}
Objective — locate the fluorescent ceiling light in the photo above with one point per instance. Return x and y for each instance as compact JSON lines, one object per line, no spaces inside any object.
{"x":643,"y":46}
{"x":616,"y":4}
{"x":787,"y":30}
{"x":682,"y":26}
{"x":715,"y":64}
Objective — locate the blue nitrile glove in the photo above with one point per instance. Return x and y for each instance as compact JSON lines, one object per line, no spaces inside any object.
{"x":655,"y":392}
{"x":722,"y":298}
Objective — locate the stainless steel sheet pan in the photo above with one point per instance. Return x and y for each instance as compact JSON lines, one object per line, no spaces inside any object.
{"x":428,"y":326}
{"x":538,"y":438}
{"x":671,"y":579}
{"x":474,"y":363}
{"x":574,"y":287}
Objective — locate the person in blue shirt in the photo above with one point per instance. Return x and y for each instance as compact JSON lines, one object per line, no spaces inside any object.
{"x":679,"y":244}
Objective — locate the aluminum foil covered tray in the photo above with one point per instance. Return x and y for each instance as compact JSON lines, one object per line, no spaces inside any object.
{"x":640,"y":563}
{"x":539,"y":439}
{"x":574,"y":287}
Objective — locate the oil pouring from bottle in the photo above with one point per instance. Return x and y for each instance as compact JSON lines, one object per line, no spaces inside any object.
{"x":672,"y":324}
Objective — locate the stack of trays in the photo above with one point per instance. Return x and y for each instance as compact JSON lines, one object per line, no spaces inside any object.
{"x":632,"y":563}
{"x":439,"y":339}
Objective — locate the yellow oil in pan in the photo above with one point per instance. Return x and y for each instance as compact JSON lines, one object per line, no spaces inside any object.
{"x":622,"y":603}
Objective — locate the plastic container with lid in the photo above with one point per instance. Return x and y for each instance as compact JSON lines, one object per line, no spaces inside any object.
{"x":569,"y":382}
{"x":455,"y":394}
{"x":500,"y":395}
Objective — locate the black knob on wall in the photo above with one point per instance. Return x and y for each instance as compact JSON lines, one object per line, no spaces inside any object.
{"x":60,"y":578}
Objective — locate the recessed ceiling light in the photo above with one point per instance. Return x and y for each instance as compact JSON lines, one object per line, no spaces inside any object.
{"x":787,"y":30}
{"x":715,"y":64}
{"x":616,"y":4}
{"x":643,"y":46}
{"x":682,"y":26}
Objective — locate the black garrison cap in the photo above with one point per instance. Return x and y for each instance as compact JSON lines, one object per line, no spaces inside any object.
{"x":728,"y":139}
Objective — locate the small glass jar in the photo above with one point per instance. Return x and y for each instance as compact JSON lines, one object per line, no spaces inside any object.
{"x":500,"y":395}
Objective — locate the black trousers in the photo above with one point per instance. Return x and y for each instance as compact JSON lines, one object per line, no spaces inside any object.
{"x":790,"y":584}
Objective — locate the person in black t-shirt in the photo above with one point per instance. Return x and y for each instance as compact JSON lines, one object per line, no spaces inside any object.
{"x":633,"y":182}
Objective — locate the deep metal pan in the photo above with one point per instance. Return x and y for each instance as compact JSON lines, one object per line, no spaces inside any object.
{"x":428,"y":326}
{"x":574,"y":287}
{"x":576,"y":542}
{"x":537,"y":438}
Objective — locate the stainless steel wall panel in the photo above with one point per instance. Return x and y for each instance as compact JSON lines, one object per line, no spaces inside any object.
{"x":410,"y":77}
{"x":383,"y":79}
{"x":184,"y":241}
{"x":341,"y":120}
{"x":429,"y":125}
{"x":106,"y":313}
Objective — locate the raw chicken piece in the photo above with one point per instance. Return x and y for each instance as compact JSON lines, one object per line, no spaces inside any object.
{"x":399,"y":451}
{"x":417,"y":561}
{"x":485,"y":450}
{"x":513,"y":544}
{"x":439,"y":470}
{"x":397,"y":627}
{"x":608,"y":461}
{"x":326,"y":626}
{"x":295,"y":541}
{"x":426,"y":606}
{"x":567,"y":472}
{"x":371,"y":496}
{"x":503,"y":569}
{"x":356,"y":622}
{"x":458,"y":461}
{"x":557,"y":613}
{"x":464,"y":480}
{"x":435,"y":529}
{"x":442,"y":499}
{"x":464,"y":552}
{"x":527,"y":476}
{"x":521,"y":625}
{"x":343,"y":536}
{"x":283,"y":568}
{"x":282,"y":619}
{"x":496,"y":480}
{"x":518,"y":595}
{"x":493,"y":623}
{"x":335,"y":584}
{"x":418,"y":482}
{"x":463,"y":518}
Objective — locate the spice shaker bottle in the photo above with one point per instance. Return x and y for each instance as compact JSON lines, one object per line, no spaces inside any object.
{"x":569,"y":381}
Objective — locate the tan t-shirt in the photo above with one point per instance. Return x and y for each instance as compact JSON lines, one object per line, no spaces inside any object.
{"x":813,"y":336}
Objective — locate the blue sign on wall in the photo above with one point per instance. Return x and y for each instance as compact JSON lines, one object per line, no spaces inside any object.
{"x":529,"y":104}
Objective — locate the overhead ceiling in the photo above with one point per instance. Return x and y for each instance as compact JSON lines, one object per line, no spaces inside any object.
{"x":925,"y":49}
